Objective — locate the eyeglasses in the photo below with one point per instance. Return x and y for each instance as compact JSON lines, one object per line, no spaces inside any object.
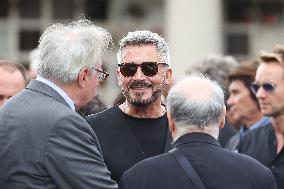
{"x":148,"y":68}
{"x":102,"y":74}
{"x":267,"y":87}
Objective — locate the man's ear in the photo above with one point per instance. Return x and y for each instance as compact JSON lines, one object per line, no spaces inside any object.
{"x":169,"y":76}
{"x":171,"y":123}
{"x":118,"y":77}
{"x":82,"y":77}
{"x":222,"y":122}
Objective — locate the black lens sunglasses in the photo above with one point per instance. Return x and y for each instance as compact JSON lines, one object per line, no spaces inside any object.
{"x":267,"y":87}
{"x":148,"y":68}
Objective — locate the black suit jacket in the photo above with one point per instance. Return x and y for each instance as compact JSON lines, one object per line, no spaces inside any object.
{"x":119,"y":145}
{"x":45,"y":144}
{"x":217,"y":168}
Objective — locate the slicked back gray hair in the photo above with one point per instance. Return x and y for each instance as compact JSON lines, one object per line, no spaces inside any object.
{"x":64,"y":49}
{"x":198,"y":113}
{"x":144,"y":37}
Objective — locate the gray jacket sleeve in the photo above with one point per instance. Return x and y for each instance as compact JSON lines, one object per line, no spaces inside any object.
{"x":72,"y":157}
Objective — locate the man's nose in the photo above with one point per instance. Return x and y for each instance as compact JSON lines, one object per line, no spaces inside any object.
{"x":139,"y":74}
{"x":260,"y":93}
{"x":230,"y":101}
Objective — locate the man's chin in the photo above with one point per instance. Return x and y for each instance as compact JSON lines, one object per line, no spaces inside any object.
{"x":139,"y":104}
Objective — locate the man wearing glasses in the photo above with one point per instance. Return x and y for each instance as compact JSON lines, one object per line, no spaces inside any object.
{"x":242,"y":102}
{"x":44,"y":143}
{"x":266,"y":143}
{"x":138,"y":128}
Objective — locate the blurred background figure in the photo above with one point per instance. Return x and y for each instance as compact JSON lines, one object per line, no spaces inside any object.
{"x":13,"y":79}
{"x":119,"y":99}
{"x":266,"y":143}
{"x":93,"y":107}
{"x":33,"y":62}
{"x":242,"y":102}
{"x":217,"y":67}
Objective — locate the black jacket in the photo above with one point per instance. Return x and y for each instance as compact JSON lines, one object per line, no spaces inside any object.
{"x":218,"y":168}
{"x":260,"y":143}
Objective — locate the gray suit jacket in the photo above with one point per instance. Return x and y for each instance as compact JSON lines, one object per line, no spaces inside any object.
{"x":45,"y":144}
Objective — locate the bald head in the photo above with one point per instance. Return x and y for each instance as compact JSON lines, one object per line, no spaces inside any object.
{"x":195,"y":88}
{"x":196,"y":102}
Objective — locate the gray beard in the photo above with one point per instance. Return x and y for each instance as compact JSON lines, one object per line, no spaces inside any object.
{"x":141,"y":102}
{"x":137,"y":101}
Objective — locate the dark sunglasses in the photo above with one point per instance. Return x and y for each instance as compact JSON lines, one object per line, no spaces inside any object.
{"x":267,"y":87}
{"x":148,"y":68}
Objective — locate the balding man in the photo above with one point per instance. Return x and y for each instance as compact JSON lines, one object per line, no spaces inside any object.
{"x":13,"y":79}
{"x":196,"y":110}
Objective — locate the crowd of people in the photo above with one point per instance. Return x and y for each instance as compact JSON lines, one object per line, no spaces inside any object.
{"x":220,"y":126}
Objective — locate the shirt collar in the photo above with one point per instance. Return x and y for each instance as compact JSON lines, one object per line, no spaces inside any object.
{"x":196,"y":137}
{"x":57,"y":89}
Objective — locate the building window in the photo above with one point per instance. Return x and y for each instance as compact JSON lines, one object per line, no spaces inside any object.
{"x":97,"y":9}
{"x":246,"y":11}
{"x":237,"y":44}
{"x":270,"y":12}
{"x":4,"y":8}
{"x":63,"y":9}
{"x":238,"y":11}
{"x":29,"y":40}
{"x":29,"y":8}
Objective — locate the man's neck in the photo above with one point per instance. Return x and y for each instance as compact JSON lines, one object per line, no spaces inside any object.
{"x":70,"y":90}
{"x":278,"y":123}
{"x":212,"y":131}
{"x":153,"y":110}
{"x":252,"y":120}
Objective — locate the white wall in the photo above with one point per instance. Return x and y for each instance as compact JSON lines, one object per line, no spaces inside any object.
{"x":193,"y":30}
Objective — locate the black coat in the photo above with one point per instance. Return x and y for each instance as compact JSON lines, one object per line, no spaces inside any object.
{"x":218,"y":168}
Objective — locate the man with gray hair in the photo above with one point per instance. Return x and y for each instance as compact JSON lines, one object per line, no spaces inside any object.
{"x":196,"y":111}
{"x":44,"y":143}
{"x":217,"y":67}
{"x":138,"y":128}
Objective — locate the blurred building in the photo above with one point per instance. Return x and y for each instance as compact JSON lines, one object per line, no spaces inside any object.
{"x":193,"y":28}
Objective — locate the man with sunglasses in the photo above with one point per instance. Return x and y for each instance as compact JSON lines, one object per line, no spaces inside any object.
{"x":266,"y":143}
{"x":44,"y":143}
{"x":138,"y":128}
{"x":242,"y":102}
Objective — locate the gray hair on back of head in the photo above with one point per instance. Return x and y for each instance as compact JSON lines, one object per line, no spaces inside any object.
{"x":196,"y":113}
{"x":215,"y":66}
{"x":64,"y":49}
{"x":145,"y":37}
